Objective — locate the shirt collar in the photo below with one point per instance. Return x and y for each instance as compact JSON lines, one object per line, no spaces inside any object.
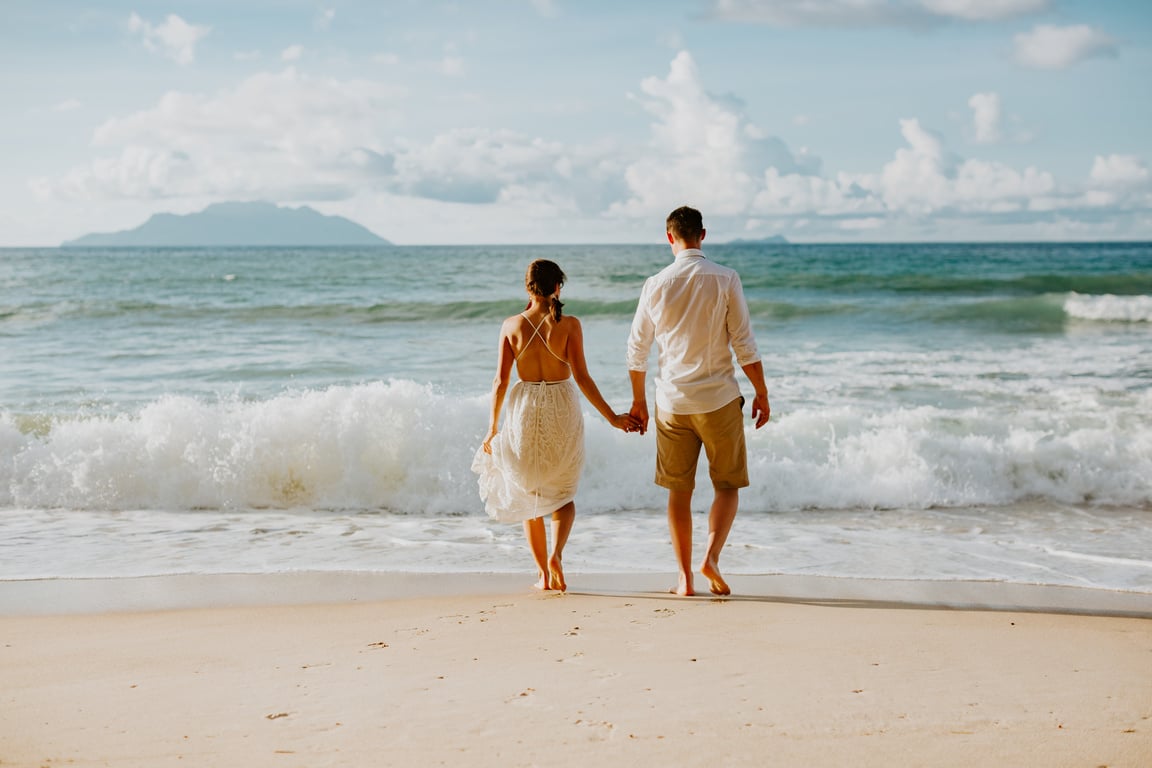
{"x":689,"y":253}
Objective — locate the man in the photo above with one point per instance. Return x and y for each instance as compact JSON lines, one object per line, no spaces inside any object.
{"x":695,"y":311}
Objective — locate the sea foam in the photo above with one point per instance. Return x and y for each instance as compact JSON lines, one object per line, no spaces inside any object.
{"x":1109,"y":308}
{"x":404,"y":447}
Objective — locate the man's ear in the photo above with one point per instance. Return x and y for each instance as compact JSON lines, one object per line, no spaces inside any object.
{"x":671,"y":239}
{"x":702,"y":233}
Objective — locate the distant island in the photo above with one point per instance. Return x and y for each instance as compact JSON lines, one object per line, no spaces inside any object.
{"x":773,"y":240}
{"x":238,"y":224}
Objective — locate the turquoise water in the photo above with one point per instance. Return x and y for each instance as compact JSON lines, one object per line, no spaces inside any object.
{"x":940,"y":411}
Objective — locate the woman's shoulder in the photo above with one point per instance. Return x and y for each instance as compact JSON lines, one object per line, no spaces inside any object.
{"x":570,"y":325}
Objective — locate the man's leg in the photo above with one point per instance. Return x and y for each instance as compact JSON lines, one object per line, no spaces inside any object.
{"x":720,"y":520}
{"x":561,"y":527}
{"x":677,"y":452}
{"x":680,"y":527}
{"x":722,"y":431}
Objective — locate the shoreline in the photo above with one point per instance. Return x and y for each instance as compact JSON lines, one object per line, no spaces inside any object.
{"x":128,"y":594}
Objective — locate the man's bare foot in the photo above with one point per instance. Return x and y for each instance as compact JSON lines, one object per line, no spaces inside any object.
{"x":684,"y":588}
{"x":716,"y":583}
{"x":556,"y":573}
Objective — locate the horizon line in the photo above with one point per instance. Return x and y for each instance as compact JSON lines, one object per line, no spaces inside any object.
{"x":737,"y":242}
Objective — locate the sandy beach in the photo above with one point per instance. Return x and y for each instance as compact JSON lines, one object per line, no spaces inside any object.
{"x":479,"y":670}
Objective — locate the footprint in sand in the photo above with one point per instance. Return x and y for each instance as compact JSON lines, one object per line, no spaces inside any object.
{"x":598,"y":731}
{"x":521,"y":697}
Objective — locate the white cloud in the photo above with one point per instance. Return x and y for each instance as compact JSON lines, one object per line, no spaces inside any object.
{"x":324,"y":18}
{"x":476,"y":166}
{"x":291,"y":137}
{"x":1119,"y":170}
{"x":922,"y":180}
{"x":869,"y":223}
{"x":986,"y":117}
{"x":811,"y":12}
{"x":795,"y":194}
{"x":701,"y":146}
{"x":453,"y":66}
{"x":915,"y":181}
{"x":1051,"y":47}
{"x":870,"y":12}
{"x":175,"y":38}
{"x":292,"y":53}
{"x":279,"y":136}
{"x":68,"y":105}
{"x":546,"y":8}
{"x":985,"y":186}
{"x":985,"y":10}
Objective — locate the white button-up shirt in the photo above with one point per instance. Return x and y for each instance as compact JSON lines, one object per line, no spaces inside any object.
{"x":694,"y":309}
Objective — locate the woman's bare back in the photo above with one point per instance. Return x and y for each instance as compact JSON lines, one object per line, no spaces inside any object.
{"x":539,"y":345}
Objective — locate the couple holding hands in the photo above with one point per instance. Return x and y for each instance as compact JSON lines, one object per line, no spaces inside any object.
{"x":695,"y":312}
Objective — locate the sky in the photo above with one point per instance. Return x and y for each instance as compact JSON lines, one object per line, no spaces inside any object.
{"x":584,"y":121}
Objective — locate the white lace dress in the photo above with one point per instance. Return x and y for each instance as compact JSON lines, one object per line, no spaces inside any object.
{"x":537,"y":455}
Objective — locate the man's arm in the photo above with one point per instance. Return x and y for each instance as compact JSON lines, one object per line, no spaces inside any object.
{"x":761,"y":411}
{"x":739,"y":325}
{"x":639,"y":399}
{"x":640,"y":339}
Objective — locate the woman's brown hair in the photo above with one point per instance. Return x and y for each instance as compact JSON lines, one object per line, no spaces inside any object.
{"x":543,"y":279}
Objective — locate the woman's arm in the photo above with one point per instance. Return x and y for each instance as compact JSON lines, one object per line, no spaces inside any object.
{"x":504,"y":360}
{"x":575,"y":354}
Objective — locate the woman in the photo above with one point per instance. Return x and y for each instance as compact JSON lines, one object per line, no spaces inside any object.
{"x":532,"y":467}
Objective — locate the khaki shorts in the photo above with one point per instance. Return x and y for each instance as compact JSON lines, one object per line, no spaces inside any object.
{"x":678,"y":441}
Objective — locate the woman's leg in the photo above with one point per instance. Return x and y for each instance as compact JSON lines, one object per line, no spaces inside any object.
{"x":561,"y":526}
{"x":538,"y":543}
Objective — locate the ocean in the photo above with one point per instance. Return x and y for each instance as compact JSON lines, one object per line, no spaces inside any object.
{"x":955,"y":412}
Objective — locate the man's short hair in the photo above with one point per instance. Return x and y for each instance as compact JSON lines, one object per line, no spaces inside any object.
{"x":685,"y":224}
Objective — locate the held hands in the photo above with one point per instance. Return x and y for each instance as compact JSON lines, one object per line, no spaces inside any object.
{"x":639,"y":414}
{"x":626,"y":422}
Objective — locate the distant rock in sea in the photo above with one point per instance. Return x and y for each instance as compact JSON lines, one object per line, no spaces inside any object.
{"x":773,"y":240}
{"x":238,"y":224}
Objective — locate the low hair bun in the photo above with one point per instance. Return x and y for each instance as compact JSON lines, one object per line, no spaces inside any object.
{"x":543,"y":279}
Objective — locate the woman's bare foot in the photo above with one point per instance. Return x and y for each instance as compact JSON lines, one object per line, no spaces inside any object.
{"x":716,"y":583}
{"x":556,"y":574}
{"x":684,"y":588}
{"x":542,"y":584}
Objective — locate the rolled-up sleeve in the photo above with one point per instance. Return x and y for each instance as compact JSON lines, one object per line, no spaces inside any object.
{"x":740,"y":325}
{"x":643,"y":333}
